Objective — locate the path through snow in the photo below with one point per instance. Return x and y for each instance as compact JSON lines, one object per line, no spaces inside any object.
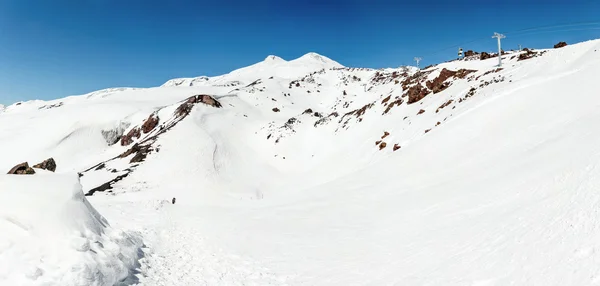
{"x":177,"y":254}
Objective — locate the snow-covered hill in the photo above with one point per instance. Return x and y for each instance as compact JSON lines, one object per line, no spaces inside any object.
{"x":306,"y":172}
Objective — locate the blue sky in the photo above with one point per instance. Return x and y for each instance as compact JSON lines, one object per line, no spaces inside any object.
{"x":51,"y":49}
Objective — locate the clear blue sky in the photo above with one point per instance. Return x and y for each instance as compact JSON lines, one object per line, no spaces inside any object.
{"x":51,"y":49}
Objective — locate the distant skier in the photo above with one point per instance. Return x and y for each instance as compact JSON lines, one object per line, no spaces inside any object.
{"x":173,"y":201}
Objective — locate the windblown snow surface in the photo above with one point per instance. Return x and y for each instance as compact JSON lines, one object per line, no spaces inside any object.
{"x":487,"y":177}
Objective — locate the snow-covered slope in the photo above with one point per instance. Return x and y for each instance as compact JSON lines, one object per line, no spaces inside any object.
{"x":306,"y":172}
{"x":51,"y":235}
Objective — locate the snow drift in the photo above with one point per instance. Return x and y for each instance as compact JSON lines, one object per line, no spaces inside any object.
{"x":51,"y":235}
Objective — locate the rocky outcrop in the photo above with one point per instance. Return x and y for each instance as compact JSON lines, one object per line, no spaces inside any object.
{"x":128,"y":139}
{"x":560,"y":45}
{"x":439,"y":83}
{"x":421,"y":111}
{"x":21,"y":169}
{"x":186,"y":107}
{"x":484,"y":56}
{"x":140,"y":152}
{"x":48,"y":164}
{"x":462,"y":73}
{"x":275,"y":109}
{"x":108,"y":185}
{"x":396,"y":102}
{"x":150,"y":123}
{"x":527,"y":55}
{"x":417,"y":93}
{"x":396,"y":147}
{"x":382,"y":145}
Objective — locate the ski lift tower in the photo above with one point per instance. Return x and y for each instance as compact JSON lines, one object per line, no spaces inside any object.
{"x":417,"y":59}
{"x":499,"y":36}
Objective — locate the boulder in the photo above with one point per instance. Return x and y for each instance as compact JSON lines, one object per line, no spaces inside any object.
{"x":21,"y":169}
{"x":48,"y":164}
{"x":560,"y":45}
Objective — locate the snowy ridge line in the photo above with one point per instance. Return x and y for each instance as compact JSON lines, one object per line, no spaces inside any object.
{"x":146,"y":145}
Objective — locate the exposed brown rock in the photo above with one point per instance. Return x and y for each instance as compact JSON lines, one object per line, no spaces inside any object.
{"x":484,"y":56}
{"x":108,"y":185}
{"x":150,"y":123}
{"x":560,"y":45}
{"x":527,"y":55}
{"x":360,"y":111}
{"x":396,"y":147}
{"x":416,"y":93}
{"x":21,"y":169}
{"x":427,"y":130}
{"x":396,"y":102}
{"x":470,"y":53}
{"x":308,"y":111}
{"x":377,"y":142}
{"x":385,"y":100}
{"x":128,"y":139}
{"x":382,"y":145}
{"x":444,"y":105}
{"x":186,"y":107}
{"x":140,"y":153}
{"x":438,"y":123}
{"x":421,"y":111}
{"x":462,"y":73}
{"x":439,"y":83}
{"x":48,"y":164}
{"x":275,"y":109}
{"x":385,"y":134}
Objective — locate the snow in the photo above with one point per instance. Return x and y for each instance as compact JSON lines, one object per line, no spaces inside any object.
{"x":496,"y":188}
{"x":52,"y":235}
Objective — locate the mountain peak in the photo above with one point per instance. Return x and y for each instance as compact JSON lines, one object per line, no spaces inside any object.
{"x":314,"y":57}
{"x":272,"y":58}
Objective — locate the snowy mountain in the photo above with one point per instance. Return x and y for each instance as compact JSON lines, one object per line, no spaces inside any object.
{"x":306,"y":172}
{"x":270,"y":66}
